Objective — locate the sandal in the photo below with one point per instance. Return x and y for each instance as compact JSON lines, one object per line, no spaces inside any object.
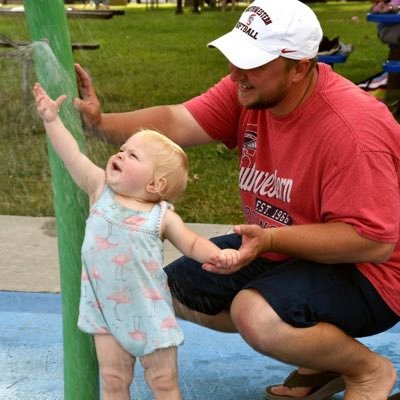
{"x":323,"y":385}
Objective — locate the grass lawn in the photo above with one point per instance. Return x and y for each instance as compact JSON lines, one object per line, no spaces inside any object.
{"x":148,"y":58}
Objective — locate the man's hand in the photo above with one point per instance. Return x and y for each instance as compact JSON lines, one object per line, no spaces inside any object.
{"x":88,"y":105}
{"x":255,"y":241}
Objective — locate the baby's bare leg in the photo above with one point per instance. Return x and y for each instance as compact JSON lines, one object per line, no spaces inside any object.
{"x":116,"y":368}
{"x":161,"y":373}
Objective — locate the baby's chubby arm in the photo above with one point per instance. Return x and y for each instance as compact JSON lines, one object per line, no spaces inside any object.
{"x":195,"y":246}
{"x":84,"y":172}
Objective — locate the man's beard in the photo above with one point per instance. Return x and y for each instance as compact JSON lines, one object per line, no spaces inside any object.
{"x":265,"y":104}
{"x":261,"y":105}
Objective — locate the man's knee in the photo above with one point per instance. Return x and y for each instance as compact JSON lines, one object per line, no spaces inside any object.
{"x":255,"y":320}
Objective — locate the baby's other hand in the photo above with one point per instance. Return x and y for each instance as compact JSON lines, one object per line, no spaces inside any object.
{"x":224,"y":262}
{"x":228,"y":258}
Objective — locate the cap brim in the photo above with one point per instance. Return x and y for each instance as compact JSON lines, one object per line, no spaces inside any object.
{"x":240,"y":52}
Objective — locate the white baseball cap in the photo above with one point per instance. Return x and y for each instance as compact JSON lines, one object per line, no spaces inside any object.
{"x":268,"y":29}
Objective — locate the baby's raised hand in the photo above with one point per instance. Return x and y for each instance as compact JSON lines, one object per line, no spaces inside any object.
{"x":47,"y":108}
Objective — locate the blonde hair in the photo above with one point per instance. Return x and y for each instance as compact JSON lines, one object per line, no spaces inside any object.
{"x":171,"y":164}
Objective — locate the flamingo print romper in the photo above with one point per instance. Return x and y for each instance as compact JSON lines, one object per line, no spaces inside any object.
{"x":124,"y":289}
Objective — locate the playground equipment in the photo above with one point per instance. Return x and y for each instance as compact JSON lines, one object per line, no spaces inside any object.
{"x":47,"y":21}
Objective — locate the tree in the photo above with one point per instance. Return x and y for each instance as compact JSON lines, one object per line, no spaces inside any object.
{"x":179,"y":7}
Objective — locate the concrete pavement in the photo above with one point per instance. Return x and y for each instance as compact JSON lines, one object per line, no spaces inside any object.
{"x":28,"y":252}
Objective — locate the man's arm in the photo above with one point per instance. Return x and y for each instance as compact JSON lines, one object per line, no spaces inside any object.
{"x":328,"y":243}
{"x":174,"y":121}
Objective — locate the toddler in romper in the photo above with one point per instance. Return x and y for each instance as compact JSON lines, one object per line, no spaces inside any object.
{"x":125,"y":300}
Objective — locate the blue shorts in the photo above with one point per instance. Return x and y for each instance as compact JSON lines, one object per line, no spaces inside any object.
{"x":302,"y":293}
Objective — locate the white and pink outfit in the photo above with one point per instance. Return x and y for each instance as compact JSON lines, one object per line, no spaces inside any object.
{"x":124,"y":290}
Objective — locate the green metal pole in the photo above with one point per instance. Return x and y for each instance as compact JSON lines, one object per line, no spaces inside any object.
{"x":47,"y":20}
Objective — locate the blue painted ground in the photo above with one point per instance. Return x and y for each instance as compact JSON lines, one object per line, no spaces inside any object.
{"x":212,"y":365}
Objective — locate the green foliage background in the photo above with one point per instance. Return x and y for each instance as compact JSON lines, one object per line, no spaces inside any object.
{"x":146,"y":58}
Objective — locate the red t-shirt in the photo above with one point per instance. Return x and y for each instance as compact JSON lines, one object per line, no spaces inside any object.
{"x":335,"y":158}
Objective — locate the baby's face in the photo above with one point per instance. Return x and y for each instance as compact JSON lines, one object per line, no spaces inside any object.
{"x":132,"y":168}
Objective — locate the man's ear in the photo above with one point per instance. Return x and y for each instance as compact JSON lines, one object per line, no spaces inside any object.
{"x":157,"y":186}
{"x":301,"y":69}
